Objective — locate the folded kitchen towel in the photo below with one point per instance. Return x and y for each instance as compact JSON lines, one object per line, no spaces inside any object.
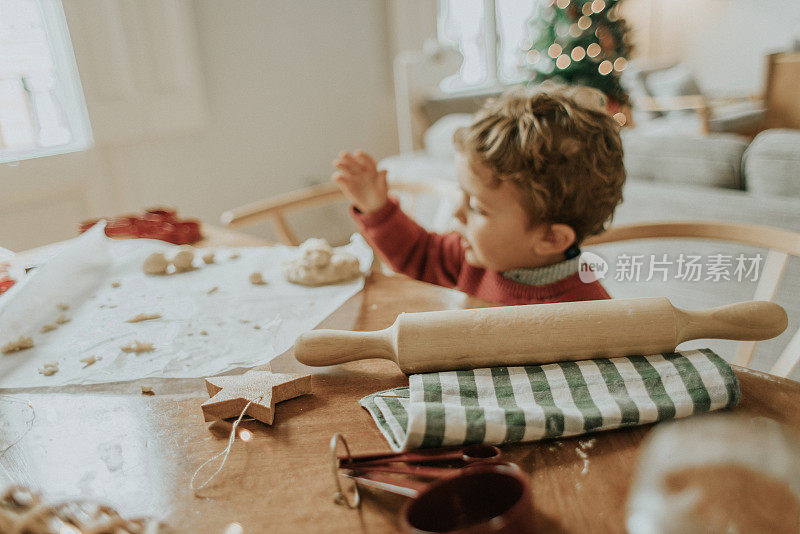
{"x":515,"y":404}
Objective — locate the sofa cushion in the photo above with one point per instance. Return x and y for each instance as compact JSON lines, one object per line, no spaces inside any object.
{"x":713,"y":160}
{"x":772,"y":163}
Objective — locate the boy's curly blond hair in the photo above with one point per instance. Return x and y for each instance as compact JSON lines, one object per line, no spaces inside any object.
{"x":559,"y":146}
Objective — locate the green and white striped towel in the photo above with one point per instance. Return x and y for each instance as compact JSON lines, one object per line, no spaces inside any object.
{"x":514,"y":404}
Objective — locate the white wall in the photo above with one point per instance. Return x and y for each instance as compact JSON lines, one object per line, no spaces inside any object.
{"x":288,"y":85}
{"x":723,"y":41}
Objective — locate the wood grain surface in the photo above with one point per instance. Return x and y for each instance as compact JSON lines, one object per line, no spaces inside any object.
{"x":139,"y":452}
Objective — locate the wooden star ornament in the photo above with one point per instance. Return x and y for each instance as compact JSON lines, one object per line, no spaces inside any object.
{"x":230,"y":394}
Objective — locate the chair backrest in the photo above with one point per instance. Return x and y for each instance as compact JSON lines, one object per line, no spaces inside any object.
{"x":779,"y":242}
{"x":275,"y":209}
{"x":783,"y":90}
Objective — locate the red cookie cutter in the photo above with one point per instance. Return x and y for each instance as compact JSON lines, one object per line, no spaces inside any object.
{"x":157,"y":223}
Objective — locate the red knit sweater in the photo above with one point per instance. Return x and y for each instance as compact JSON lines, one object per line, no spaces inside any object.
{"x":439,"y":259}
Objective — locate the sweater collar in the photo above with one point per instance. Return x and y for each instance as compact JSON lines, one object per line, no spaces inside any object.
{"x":539,"y":276}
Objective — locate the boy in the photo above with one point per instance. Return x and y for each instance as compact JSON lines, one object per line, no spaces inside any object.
{"x":539,"y":172}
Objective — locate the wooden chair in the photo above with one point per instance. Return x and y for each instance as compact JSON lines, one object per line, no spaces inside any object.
{"x":275,"y":209}
{"x":782,"y":93}
{"x":779,"y":242}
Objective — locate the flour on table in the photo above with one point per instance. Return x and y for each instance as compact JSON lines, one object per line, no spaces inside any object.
{"x":318,"y":264}
{"x":155,"y":263}
{"x":48,"y":328}
{"x":138,"y":347}
{"x":49,"y":369}
{"x":15,"y":346}
{"x":257,"y":279}
{"x":144,"y":317}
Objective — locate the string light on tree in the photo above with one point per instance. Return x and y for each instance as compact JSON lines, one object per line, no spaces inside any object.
{"x":565,"y":33}
{"x":578,"y":53}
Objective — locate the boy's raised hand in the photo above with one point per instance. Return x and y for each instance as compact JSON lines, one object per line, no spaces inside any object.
{"x":361,"y":181}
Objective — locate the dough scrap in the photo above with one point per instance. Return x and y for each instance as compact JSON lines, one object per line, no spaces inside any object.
{"x":212,"y":290}
{"x":114,"y":284}
{"x":89,"y":360}
{"x":257,"y":279}
{"x":61,"y":319}
{"x":138,"y":347}
{"x":319,"y":264}
{"x":61,"y":306}
{"x":235,"y":256}
{"x":49,"y":369}
{"x":183,"y":260}
{"x":15,"y":346}
{"x":48,"y":328}
{"x":144,"y":317}
{"x":208,"y":259}
{"x":155,"y":263}
{"x":147,"y":390}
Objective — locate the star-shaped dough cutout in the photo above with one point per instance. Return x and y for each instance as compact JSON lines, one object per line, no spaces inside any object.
{"x":230,"y":394}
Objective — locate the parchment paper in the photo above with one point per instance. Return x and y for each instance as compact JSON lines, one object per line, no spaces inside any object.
{"x":200,"y":333}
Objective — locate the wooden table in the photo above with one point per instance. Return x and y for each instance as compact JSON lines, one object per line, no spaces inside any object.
{"x":140,"y":452}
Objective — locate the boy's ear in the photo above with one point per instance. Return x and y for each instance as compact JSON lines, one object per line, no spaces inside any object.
{"x":555,"y":239}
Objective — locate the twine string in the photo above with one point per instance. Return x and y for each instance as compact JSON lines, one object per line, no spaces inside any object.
{"x":224,"y":453}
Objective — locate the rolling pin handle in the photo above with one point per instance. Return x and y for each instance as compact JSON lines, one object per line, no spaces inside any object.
{"x":331,"y":347}
{"x":743,"y":321}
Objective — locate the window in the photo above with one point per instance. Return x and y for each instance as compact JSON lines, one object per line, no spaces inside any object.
{"x":42,"y":110}
{"x":491,"y":35}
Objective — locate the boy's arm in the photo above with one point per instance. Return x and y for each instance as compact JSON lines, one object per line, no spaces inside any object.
{"x":401,"y":242}
{"x":410,"y":249}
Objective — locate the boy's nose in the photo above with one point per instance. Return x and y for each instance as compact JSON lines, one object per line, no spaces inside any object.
{"x":459,"y":214}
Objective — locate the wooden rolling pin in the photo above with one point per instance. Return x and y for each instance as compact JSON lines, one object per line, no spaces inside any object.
{"x":539,"y":333}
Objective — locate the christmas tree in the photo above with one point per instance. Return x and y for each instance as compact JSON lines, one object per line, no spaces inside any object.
{"x":580,"y":42}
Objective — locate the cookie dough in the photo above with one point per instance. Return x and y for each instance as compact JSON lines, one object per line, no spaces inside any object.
{"x":49,"y":369}
{"x":208,"y":259}
{"x":155,"y":263}
{"x":138,"y":347}
{"x":114,"y":284}
{"x":257,"y":279}
{"x":89,"y":360}
{"x":144,"y":317}
{"x":183,"y":260}
{"x":48,"y":328}
{"x":15,"y":346}
{"x":318,"y":264}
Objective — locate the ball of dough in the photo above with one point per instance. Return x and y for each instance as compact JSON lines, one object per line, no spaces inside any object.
{"x":316,"y":252}
{"x":155,"y":263}
{"x":183,"y":260}
{"x":318,"y":265}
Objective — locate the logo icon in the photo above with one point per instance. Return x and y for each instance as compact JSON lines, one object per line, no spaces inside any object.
{"x":592,"y":267}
